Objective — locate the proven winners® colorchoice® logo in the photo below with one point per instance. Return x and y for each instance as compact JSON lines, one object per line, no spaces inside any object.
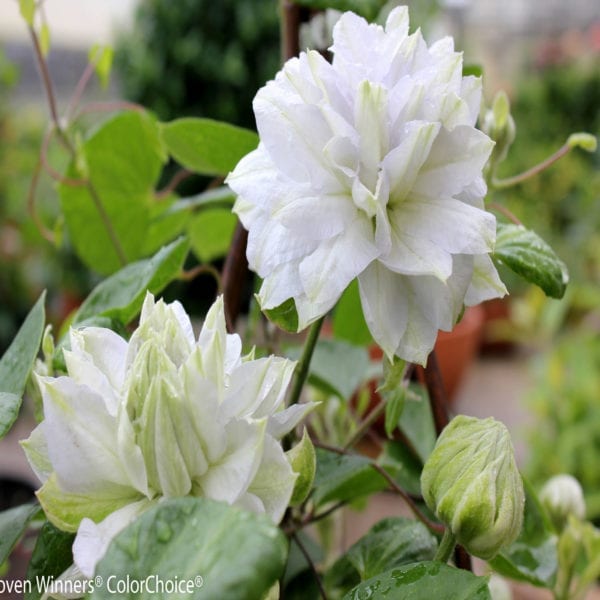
{"x":152,"y":584}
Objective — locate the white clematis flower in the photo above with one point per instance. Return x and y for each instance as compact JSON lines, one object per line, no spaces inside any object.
{"x":371,"y":167}
{"x":160,"y":416}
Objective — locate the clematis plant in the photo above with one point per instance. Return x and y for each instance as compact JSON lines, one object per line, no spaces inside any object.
{"x":172,"y":464}
{"x":371,"y":167}
{"x":161,"y":416}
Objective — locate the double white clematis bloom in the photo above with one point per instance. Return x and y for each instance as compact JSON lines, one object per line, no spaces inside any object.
{"x":371,"y":167}
{"x":160,"y":416}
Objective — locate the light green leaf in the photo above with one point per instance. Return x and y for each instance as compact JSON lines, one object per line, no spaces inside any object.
{"x":51,"y":556}
{"x":391,"y":543}
{"x":65,"y":510}
{"x":102,"y":57}
{"x":423,"y":581}
{"x":303,"y":459}
{"x":394,"y":408}
{"x":417,"y":423}
{"x":337,"y":367}
{"x":210,"y":233}
{"x":227,"y":553}
{"x":45,"y":39}
{"x":524,"y":252}
{"x":348,"y":320}
{"x":533,"y":557}
{"x":206,"y":146}
{"x":27,"y":9}
{"x":169,"y":218}
{"x":285,"y":316}
{"x":16,"y":364}
{"x":13,"y":524}
{"x":121,"y":296}
{"x":124,"y":158}
{"x":342,"y":478}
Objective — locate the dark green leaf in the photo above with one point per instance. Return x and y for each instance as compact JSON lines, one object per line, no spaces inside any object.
{"x":123,"y":160}
{"x":206,"y":146}
{"x":51,"y":556}
{"x":472,"y":69}
{"x":16,"y":364}
{"x":406,"y":465}
{"x":227,"y":553}
{"x":529,"y":256}
{"x":343,"y":478}
{"x":348,"y":320}
{"x":423,"y":581}
{"x":533,"y":557}
{"x":391,"y":543}
{"x":121,"y":296}
{"x":284,"y":316}
{"x":210,"y":233}
{"x":13,"y":524}
{"x":366,"y":8}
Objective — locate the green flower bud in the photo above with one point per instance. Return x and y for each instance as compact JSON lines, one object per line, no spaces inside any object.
{"x":500,"y":126}
{"x":562,"y":496}
{"x":473,"y":485}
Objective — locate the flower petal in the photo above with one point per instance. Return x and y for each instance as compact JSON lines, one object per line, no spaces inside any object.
{"x":92,"y":540}
{"x":229,"y":479}
{"x":274,"y":481}
{"x":82,"y":438}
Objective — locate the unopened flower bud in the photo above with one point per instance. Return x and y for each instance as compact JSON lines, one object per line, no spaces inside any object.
{"x":562,"y":496}
{"x":473,"y":485}
{"x":500,"y":126}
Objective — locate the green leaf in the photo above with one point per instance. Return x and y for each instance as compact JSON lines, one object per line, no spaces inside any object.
{"x":102,"y":57}
{"x":226,"y":553}
{"x":13,"y":524}
{"x":164,"y":226}
{"x":342,"y":478}
{"x":366,"y":8}
{"x":123,"y":160}
{"x":394,"y":408}
{"x":337,"y":367}
{"x":210,"y":233}
{"x":284,"y":316}
{"x":16,"y":365}
{"x":389,"y":544}
{"x":206,"y":146}
{"x":423,"y":581}
{"x":533,"y":557}
{"x":417,"y":423}
{"x":406,"y":466}
{"x":45,"y":39}
{"x":27,"y":9}
{"x":303,"y":460}
{"x":51,"y":556}
{"x":121,"y":296}
{"x":529,"y":256}
{"x":348,"y":320}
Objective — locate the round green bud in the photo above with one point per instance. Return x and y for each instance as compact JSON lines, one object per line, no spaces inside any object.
{"x":562,"y":496}
{"x":472,"y":484}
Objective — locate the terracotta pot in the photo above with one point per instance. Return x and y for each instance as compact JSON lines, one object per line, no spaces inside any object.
{"x":457,"y":349}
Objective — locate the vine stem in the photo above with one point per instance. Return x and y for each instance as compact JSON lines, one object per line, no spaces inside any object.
{"x":435,"y":527}
{"x":311,"y":565}
{"x":500,"y":184}
{"x":446,"y":547}
{"x":51,"y":97}
{"x":304,"y":364}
